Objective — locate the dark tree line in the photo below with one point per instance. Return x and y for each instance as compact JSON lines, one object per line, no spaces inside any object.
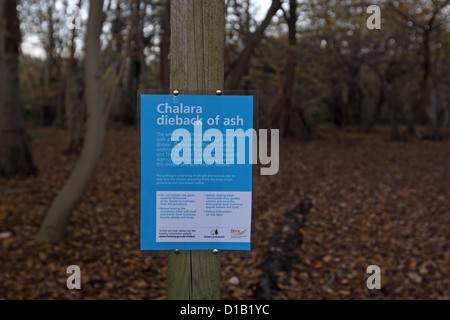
{"x":311,"y":61}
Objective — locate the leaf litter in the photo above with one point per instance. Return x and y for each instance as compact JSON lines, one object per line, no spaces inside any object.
{"x":375,"y":202}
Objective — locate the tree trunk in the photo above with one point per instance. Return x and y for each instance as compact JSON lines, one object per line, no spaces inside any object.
{"x":128,"y":114}
{"x":142,"y":46}
{"x":335,"y":102}
{"x":437,"y":112}
{"x":15,"y":156}
{"x":392,"y":103}
{"x":418,"y":101}
{"x":74,"y":138}
{"x":112,"y":99}
{"x":53,"y":228}
{"x":241,"y":63}
{"x":165,"y":47}
{"x":197,"y":65}
{"x":289,"y":118}
{"x":377,"y":111}
{"x":354,"y":102}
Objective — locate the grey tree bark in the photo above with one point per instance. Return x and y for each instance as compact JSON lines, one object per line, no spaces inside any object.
{"x":196,"y":66}
{"x":74,"y":122}
{"x":289,"y":118}
{"x":53,"y":228}
{"x":15,"y":156}
{"x":165,"y":47}
{"x":241,"y":63}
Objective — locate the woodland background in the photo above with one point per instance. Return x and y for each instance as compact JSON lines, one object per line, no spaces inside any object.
{"x":364,"y":121}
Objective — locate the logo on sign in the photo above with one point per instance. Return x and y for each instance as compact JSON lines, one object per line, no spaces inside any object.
{"x":214,"y":234}
{"x":237,"y":234}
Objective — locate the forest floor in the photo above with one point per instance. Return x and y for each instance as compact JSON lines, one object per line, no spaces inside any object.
{"x":376,"y":202}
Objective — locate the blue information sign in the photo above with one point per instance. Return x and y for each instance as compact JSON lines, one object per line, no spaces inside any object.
{"x":196,"y":172}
